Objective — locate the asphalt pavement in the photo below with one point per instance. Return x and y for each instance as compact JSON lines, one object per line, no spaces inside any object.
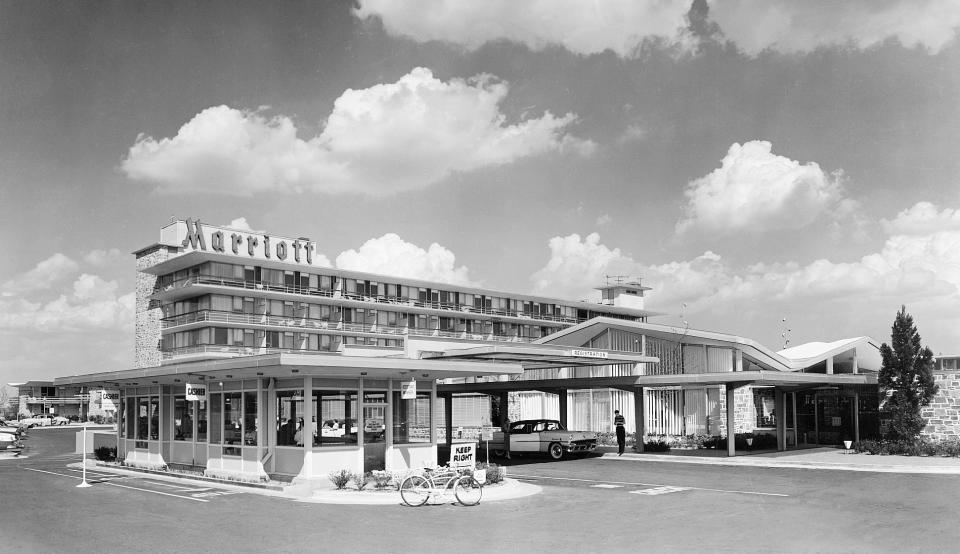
{"x":592,"y":504}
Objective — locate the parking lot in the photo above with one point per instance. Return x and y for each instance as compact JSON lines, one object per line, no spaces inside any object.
{"x":592,"y":504}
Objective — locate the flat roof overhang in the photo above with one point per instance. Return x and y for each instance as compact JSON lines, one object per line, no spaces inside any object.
{"x":784,"y":380}
{"x":293,"y":366}
{"x":538,"y":356}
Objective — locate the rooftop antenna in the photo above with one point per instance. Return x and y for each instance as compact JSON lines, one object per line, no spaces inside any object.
{"x":784,"y":333}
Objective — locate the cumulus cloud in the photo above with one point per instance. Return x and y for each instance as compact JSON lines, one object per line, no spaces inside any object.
{"x":92,"y":304}
{"x":604,"y":219}
{"x":918,"y":265}
{"x":54,"y":269}
{"x":789,"y":26}
{"x":240,"y":224}
{"x":387,"y":138}
{"x":391,"y":255}
{"x":581,"y":27}
{"x":756,"y":190}
{"x":103,"y":258}
{"x":921,"y":219}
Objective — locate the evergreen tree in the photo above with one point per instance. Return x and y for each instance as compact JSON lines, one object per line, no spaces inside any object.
{"x":906,"y":379}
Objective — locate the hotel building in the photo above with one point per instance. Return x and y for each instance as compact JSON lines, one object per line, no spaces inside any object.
{"x":246,"y":347}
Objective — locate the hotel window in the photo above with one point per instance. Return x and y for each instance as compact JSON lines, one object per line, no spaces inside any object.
{"x":336,"y":417}
{"x":248,"y":338}
{"x":273,"y":339}
{"x":232,"y":423}
{"x":289,"y":418}
{"x":238,"y":304}
{"x":350,"y":287}
{"x":182,"y":419}
{"x":411,"y":418}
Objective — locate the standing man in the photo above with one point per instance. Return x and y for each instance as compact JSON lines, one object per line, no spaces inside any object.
{"x":619,"y":421}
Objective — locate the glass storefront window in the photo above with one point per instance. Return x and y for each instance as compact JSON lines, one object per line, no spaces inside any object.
{"x":130,"y":416}
{"x":289,"y":418}
{"x":250,"y":418}
{"x":763,"y":403}
{"x":182,"y":420}
{"x":232,"y":423}
{"x":154,"y":418}
{"x":411,"y":418}
{"x":143,"y":418}
{"x":215,"y":410}
{"x":201,"y":409}
{"x":336,"y":411}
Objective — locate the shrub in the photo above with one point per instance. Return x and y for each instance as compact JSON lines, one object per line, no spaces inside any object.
{"x":494,"y":473}
{"x":381,"y":479}
{"x":340,"y":478}
{"x":105,"y":453}
{"x":950,"y":448}
{"x":361,"y":480}
{"x":656,"y":446}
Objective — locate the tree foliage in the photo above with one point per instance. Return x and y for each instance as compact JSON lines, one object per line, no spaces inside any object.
{"x":906,"y":379}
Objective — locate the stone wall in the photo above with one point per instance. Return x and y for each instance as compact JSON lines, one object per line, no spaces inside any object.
{"x":148,"y":314}
{"x":943,"y":412}
{"x":744,"y":413}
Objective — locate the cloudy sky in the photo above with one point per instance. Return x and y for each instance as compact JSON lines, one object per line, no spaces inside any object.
{"x":751,"y":160}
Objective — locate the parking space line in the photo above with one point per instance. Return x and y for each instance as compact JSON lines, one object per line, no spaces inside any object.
{"x":118,"y":485}
{"x":157,"y":492}
{"x":755,"y":493}
{"x":607,"y":486}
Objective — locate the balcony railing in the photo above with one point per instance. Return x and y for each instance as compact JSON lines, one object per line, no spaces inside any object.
{"x":303,"y":323}
{"x":323,"y":293}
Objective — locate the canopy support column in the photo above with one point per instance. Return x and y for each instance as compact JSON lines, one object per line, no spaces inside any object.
{"x":562,"y":397}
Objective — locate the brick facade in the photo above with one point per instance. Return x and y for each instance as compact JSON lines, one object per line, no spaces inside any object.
{"x":943,"y":412}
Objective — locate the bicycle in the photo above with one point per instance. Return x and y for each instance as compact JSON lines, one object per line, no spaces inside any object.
{"x":416,"y":490}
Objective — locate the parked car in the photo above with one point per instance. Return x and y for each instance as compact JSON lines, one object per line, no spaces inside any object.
{"x":60,"y":420}
{"x":17,"y":430}
{"x":544,"y":436}
{"x":41,"y":420}
{"x":10,"y":442}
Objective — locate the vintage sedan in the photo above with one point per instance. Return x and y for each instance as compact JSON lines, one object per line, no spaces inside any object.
{"x":544,"y":436}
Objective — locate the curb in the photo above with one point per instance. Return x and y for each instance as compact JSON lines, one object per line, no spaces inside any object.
{"x":510,"y":490}
{"x":769,"y":463}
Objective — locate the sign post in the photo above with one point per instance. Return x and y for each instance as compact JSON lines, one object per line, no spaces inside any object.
{"x":487,"y":434}
{"x":83,"y":483}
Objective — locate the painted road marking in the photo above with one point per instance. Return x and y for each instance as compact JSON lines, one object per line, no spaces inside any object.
{"x":535,"y":477}
{"x":659,"y":490}
{"x":112,"y":484}
{"x":607,"y":486}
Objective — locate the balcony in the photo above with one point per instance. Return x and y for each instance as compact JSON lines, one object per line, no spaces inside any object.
{"x":447,"y":308}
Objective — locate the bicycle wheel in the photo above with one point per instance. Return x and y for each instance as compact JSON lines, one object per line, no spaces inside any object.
{"x":468,"y":490}
{"x":415,"y":491}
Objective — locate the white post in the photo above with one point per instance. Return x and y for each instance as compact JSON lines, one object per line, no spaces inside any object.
{"x":84,"y":483}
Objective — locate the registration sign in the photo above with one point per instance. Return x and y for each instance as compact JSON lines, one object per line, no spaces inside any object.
{"x":589,"y":354}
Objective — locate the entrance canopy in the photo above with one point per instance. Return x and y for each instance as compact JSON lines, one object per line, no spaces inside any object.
{"x":784,"y":381}
{"x":285,"y":365}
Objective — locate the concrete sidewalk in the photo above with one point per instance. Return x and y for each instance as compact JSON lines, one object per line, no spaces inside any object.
{"x":811,"y":458}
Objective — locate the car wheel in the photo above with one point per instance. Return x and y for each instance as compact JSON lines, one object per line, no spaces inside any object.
{"x":555,"y":450}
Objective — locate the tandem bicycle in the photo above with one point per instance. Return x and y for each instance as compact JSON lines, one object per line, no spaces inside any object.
{"x":438,"y":482}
